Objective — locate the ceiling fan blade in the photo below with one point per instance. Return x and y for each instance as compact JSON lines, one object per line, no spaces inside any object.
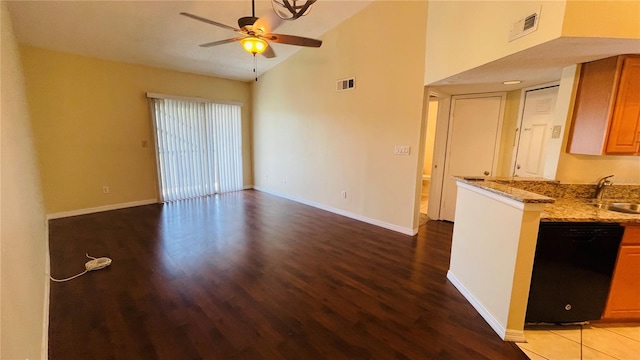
{"x":268,"y":23}
{"x":293,"y":40}
{"x":196,"y":17}
{"x":220,"y":42}
{"x":268,"y":52}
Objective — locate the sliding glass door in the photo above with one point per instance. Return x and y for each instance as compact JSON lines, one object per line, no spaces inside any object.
{"x":199,"y":148}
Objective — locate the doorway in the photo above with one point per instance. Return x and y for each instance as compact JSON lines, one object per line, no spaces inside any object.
{"x":473,"y":143}
{"x":432,"y":117}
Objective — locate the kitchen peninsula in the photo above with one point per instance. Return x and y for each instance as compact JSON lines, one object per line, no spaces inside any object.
{"x":495,"y":234}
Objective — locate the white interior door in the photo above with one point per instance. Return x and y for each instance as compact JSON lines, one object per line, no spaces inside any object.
{"x":535,"y":131}
{"x":473,"y":144}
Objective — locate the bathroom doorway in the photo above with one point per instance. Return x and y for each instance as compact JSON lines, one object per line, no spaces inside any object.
{"x":432,"y":115}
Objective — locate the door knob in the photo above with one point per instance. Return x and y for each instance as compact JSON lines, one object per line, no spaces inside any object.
{"x":486,"y":173}
{"x":518,"y":166}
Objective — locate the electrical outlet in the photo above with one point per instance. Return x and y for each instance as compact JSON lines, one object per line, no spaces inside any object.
{"x":284,"y":181}
{"x":343,"y":194}
{"x":145,"y":143}
{"x":555,"y":133}
{"x":105,"y":189}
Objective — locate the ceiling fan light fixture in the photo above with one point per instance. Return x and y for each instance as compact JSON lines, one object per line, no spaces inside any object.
{"x":253,"y":45}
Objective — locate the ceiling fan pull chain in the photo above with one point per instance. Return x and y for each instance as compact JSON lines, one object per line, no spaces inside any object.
{"x":255,"y":65}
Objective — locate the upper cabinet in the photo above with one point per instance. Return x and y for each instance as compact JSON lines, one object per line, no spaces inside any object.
{"x":606,"y":115}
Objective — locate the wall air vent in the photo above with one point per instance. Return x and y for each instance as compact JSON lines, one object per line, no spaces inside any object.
{"x":346,"y":84}
{"x":524,"y":26}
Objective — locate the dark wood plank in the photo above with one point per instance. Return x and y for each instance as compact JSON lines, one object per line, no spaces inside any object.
{"x":252,"y":276}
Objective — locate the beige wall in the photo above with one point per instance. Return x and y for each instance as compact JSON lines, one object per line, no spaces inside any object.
{"x":23,"y":234}
{"x":462,"y":35}
{"x":90,"y":117}
{"x":602,"y":18}
{"x":311,"y":142}
{"x":586,"y":169}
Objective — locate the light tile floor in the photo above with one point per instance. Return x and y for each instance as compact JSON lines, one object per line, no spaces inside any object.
{"x":575,"y":342}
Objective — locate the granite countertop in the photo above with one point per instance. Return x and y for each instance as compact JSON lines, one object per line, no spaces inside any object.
{"x":505,"y":190}
{"x":558,"y":208}
{"x":582,"y":210}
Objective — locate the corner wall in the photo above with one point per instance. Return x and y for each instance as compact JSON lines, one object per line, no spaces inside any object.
{"x":23,"y":231}
{"x":311,"y":142}
{"x":90,"y":118}
{"x":492,"y":251}
{"x":462,"y":35}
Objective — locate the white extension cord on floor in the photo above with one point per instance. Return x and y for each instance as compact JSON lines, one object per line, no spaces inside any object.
{"x":93,"y":264}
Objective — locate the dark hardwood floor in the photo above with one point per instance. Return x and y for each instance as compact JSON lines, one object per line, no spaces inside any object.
{"x":253,"y":276}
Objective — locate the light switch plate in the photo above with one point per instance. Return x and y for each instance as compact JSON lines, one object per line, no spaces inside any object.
{"x":402,"y":150}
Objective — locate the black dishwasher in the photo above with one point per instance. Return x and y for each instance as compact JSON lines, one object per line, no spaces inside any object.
{"x":572,"y":271}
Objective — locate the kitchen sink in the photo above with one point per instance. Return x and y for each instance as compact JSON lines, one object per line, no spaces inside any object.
{"x":635,"y":208}
{"x":629,"y":208}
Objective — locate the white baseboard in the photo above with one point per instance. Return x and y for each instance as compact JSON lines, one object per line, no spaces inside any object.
{"x":504,"y":333}
{"x":65,"y":214}
{"x":396,"y":228}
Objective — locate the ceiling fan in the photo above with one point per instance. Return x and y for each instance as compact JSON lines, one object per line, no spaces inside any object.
{"x":255,"y":34}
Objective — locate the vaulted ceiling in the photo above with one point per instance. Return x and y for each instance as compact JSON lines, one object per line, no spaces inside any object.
{"x":153,"y":33}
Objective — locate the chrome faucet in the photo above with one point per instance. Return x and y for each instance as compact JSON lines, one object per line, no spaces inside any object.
{"x":604,"y":181}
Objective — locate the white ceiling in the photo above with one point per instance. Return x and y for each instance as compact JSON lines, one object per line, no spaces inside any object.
{"x":153,"y":33}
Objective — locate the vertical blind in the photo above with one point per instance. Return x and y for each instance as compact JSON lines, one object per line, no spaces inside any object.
{"x":199,"y":148}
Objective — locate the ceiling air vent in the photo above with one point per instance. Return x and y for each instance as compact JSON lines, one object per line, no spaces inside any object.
{"x":524,"y":26}
{"x":346,"y":84}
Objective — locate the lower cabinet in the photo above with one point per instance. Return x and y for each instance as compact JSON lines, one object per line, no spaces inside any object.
{"x":624,"y":293}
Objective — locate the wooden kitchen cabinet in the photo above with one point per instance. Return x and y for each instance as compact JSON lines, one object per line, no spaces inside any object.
{"x":624,"y":293}
{"x":606,"y":115}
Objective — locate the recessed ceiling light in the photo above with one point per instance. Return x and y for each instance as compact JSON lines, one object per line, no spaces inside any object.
{"x":512,"y":82}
